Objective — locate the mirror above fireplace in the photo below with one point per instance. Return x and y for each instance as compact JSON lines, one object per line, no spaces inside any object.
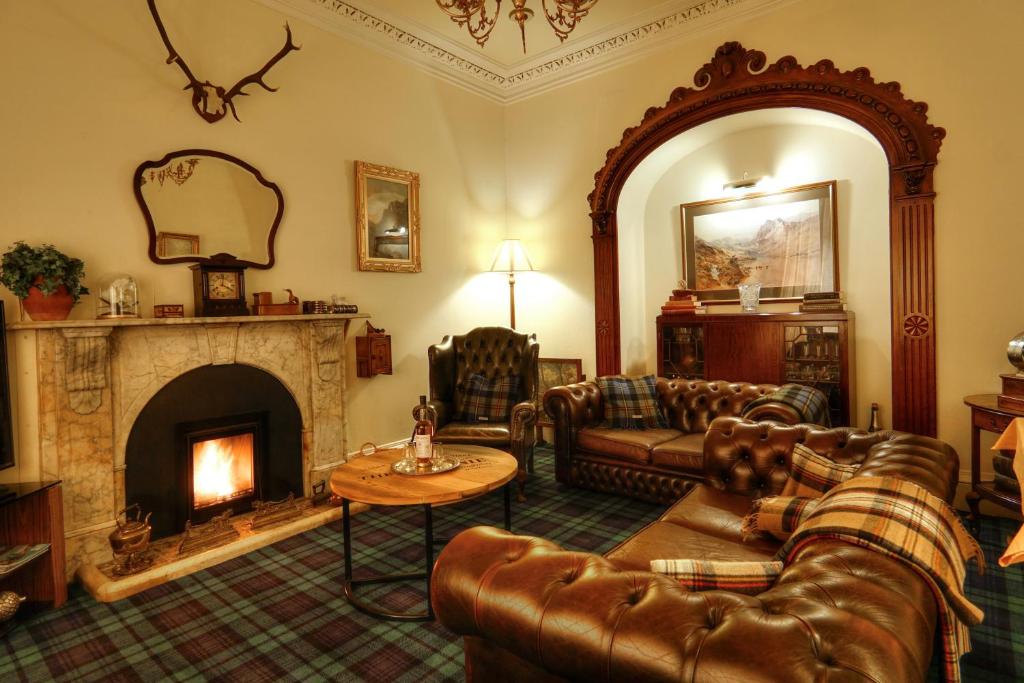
{"x":198,"y":203}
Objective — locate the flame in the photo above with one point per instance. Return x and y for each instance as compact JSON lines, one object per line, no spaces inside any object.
{"x":222,"y":469}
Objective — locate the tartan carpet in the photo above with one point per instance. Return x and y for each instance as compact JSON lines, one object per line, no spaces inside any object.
{"x":278,"y":614}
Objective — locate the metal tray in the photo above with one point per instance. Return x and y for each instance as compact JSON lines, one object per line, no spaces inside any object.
{"x":442,"y":463}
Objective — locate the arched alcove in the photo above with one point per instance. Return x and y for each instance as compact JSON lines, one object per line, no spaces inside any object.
{"x":739,"y":80}
{"x":790,"y":147}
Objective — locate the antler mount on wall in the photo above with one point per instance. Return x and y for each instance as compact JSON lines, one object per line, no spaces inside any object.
{"x":212,"y":102}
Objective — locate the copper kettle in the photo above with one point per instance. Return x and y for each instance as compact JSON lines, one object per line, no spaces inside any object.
{"x":131,"y":536}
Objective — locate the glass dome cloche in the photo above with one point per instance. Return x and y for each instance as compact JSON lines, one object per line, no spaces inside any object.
{"x":117,"y":297}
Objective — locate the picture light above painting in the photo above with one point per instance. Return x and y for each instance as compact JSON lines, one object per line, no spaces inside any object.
{"x":786,"y":241}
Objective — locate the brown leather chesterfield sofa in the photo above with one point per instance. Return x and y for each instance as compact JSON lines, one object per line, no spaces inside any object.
{"x":491,"y":352}
{"x":531,"y":611}
{"x":658,"y":465}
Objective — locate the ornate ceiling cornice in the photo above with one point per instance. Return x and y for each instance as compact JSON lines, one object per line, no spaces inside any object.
{"x":477,"y":72}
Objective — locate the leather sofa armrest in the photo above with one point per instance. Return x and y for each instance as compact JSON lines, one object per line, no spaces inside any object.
{"x":522,"y":420}
{"x":578,"y":616}
{"x":571,"y":408}
{"x":773,"y":410}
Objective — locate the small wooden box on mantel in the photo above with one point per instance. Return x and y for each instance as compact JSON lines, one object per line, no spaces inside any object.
{"x":373,"y":353}
{"x":1012,"y":396}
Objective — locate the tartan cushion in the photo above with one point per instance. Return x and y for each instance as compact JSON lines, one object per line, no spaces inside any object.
{"x":810,"y":403}
{"x":485,"y":400}
{"x":631,"y":403}
{"x":750,"y":578}
{"x":811,"y":474}
{"x":778,"y":516}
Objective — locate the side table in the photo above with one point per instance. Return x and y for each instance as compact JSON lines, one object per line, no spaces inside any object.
{"x":988,"y":416}
{"x":369,"y":479}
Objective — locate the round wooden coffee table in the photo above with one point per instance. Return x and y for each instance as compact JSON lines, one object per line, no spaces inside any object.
{"x":369,"y":479}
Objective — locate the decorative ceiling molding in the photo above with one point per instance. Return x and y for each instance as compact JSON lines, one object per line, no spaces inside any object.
{"x":481,"y":74}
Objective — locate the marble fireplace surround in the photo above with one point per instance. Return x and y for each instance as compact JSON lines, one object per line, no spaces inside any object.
{"x":95,"y":377}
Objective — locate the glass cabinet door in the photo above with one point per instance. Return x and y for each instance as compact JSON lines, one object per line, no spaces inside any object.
{"x":813,"y":358}
{"x":682,"y":351}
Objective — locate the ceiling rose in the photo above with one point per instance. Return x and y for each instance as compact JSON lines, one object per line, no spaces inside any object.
{"x":562,"y":15}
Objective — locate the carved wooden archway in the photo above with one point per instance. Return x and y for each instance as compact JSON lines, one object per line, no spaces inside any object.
{"x":737,"y":80}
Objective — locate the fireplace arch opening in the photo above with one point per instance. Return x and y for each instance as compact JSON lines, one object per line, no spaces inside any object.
{"x":215,"y":438}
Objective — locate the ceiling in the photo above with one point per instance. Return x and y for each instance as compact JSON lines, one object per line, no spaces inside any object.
{"x":505,"y":45}
{"x":614,"y":31}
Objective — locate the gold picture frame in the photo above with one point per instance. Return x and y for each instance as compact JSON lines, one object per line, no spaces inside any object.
{"x":176,"y":244}
{"x":387,"y":219}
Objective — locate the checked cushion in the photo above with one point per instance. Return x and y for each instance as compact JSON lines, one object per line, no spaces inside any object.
{"x":812,"y":475}
{"x":750,"y":578}
{"x":631,"y":403}
{"x":485,"y":400}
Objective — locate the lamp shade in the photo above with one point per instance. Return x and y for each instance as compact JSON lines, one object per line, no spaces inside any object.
{"x":511,"y":257}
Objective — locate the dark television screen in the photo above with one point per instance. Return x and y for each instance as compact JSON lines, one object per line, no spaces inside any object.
{"x":6,"y":429}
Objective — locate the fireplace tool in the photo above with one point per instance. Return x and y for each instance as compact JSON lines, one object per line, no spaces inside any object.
{"x":130,"y":541}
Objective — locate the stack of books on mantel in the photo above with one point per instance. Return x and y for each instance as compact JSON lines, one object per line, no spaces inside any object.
{"x":682,"y":301}
{"x":821,"y":302}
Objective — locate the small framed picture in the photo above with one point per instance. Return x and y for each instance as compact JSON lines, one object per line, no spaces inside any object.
{"x":556,"y":372}
{"x":387,"y":219}
{"x":176,"y":244}
{"x":785,"y":240}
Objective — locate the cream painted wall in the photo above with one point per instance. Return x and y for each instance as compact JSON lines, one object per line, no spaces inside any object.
{"x":91,"y":98}
{"x":791,"y":155}
{"x":959,"y":58}
{"x":94,"y":99}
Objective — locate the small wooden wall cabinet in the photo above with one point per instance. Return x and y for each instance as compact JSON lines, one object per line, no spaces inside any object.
{"x":815,"y":349}
{"x":373,"y":353}
{"x":34,"y":515}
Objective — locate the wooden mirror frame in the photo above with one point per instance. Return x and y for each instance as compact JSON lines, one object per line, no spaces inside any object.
{"x":737,"y":80}
{"x":151,"y":225}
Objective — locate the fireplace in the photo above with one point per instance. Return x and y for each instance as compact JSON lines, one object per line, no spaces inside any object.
{"x":214,"y":439}
{"x":222,"y":464}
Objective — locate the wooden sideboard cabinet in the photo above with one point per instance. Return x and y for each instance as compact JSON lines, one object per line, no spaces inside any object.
{"x":33,"y":514}
{"x":815,"y":349}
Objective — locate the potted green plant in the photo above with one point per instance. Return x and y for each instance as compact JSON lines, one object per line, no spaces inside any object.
{"x":48,"y":282}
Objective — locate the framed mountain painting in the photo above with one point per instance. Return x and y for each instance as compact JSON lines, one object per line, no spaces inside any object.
{"x":784,"y":240}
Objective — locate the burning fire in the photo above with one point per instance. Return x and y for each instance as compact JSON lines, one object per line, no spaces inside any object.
{"x":222,"y":469}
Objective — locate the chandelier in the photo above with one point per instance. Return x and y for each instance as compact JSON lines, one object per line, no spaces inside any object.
{"x":563,"y":15}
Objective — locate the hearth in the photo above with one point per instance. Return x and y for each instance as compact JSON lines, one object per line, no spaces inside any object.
{"x":214,"y":439}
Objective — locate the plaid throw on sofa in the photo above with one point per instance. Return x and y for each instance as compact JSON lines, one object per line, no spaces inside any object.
{"x":631,"y":403}
{"x":812,"y":474}
{"x":810,"y":403}
{"x":485,"y":400}
{"x":776,"y":515}
{"x":904,"y":521}
{"x":750,"y":578}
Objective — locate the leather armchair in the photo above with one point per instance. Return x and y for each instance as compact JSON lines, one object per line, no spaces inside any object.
{"x":491,"y":352}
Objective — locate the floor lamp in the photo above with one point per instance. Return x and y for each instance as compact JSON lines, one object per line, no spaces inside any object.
{"x":511,"y":258}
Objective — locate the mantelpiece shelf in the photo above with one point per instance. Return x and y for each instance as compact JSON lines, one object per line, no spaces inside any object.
{"x":138,"y":322}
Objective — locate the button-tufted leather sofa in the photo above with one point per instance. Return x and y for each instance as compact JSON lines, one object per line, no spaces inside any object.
{"x":491,"y":352}
{"x":531,"y":611}
{"x":658,"y":465}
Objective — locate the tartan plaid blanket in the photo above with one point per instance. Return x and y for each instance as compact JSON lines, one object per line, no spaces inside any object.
{"x":904,"y":521}
{"x":776,"y":515}
{"x":810,"y":403}
{"x":750,"y":578}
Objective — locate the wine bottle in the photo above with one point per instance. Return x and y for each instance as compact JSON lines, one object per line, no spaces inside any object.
{"x":874,"y":425}
{"x":422,"y":434}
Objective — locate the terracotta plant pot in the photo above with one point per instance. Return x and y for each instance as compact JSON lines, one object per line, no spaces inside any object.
{"x":56,"y":306}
